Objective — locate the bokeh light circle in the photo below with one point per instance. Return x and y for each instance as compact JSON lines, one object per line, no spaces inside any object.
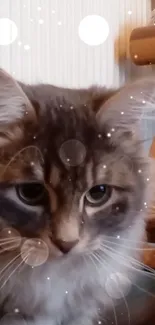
{"x":117,"y":285}
{"x":93,"y":30}
{"x":8,"y":31}
{"x":34,"y":252}
{"x":72,"y":152}
{"x":10,"y":239}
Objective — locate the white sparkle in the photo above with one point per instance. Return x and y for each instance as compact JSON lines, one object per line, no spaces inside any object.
{"x":118,"y":237}
{"x":129,"y":12}
{"x":60,"y":105}
{"x":9,"y":232}
{"x":71,"y":107}
{"x":48,"y":278}
{"x":53,"y":11}
{"x":122,"y":113}
{"x":109,"y":135}
{"x":13,"y":73}
{"x":117,"y":208}
{"x":27,"y":47}
{"x":99,"y":136}
{"x":19,"y":43}
{"x":24,"y":6}
{"x":39,"y":8}
{"x":136,"y":56}
{"x":26,"y":113}
{"x":141,"y":92}
{"x":131,"y":97}
{"x":68,"y":159}
{"x":59,"y":23}
{"x":32,"y":163}
{"x":41,"y":21}
{"x":99,"y":322}
{"x":141,"y":210}
{"x":16,"y":310}
{"x":113,"y":130}
{"x":34,"y":137}
{"x":104,"y":166}
{"x":66,"y":292}
{"x":139,"y":171}
{"x":145,"y":203}
{"x":147,"y":179}
{"x":144,"y":102}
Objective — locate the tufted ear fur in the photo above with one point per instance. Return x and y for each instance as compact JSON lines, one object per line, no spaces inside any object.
{"x":15,"y":108}
{"x":132,"y":104}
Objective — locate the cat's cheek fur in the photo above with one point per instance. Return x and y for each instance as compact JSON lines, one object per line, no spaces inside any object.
{"x":72,"y":294}
{"x":69,"y":291}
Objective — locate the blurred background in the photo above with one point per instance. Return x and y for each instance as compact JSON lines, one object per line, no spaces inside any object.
{"x":55,"y":40}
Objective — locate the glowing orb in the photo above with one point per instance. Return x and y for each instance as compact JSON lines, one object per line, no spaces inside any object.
{"x":117,"y":285}
{"x":34,"y":252}
{"x":72,"y":152}
{"x":8,"y":31}
{"x":93,"y":30}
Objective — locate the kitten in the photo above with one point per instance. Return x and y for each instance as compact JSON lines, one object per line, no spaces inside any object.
{"x":71,"y":194}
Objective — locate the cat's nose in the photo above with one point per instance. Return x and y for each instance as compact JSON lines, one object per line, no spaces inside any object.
{"x":65,"y":246}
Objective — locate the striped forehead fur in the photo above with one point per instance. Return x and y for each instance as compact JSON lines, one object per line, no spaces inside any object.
{"x":70,"y":286}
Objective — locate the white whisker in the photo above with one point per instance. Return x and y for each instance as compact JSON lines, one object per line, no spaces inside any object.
{"x":126,"y":240}
{"x":8,"y":239}
{"x":8,"y":264}
{"x":138,"y":263}
{"x":95,"y":255}
{"x":91,"y":258}
{"x":15,"y":269}
{"x":125,"y":246}
{"x":112,"y":255}
{"x":124,"y":299}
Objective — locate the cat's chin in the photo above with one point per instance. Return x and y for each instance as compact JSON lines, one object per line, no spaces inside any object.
{"x":76,"y":281}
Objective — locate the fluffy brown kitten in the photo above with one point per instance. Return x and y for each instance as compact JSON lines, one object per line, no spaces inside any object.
{"x":72,"y":186}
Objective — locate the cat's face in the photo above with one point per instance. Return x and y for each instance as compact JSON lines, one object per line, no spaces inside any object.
{"x":72,"y":194}
{"x":66,"y":177}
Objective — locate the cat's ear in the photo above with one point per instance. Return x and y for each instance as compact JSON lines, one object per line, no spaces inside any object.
{"x":128,"y":107}
{"x":14,"y":105}
{"x":15,"y":108}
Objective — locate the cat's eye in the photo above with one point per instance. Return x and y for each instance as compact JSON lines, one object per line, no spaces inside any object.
{"x":30,"y":193}
{"x":98,"y":195}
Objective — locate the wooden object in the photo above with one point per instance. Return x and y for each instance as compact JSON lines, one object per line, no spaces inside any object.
{"x":152,"y":149}
{"x":142,"y":45}
{"x":149,"y":250}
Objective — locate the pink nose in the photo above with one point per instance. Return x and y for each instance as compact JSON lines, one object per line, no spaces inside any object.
{"x":65,"y":246}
